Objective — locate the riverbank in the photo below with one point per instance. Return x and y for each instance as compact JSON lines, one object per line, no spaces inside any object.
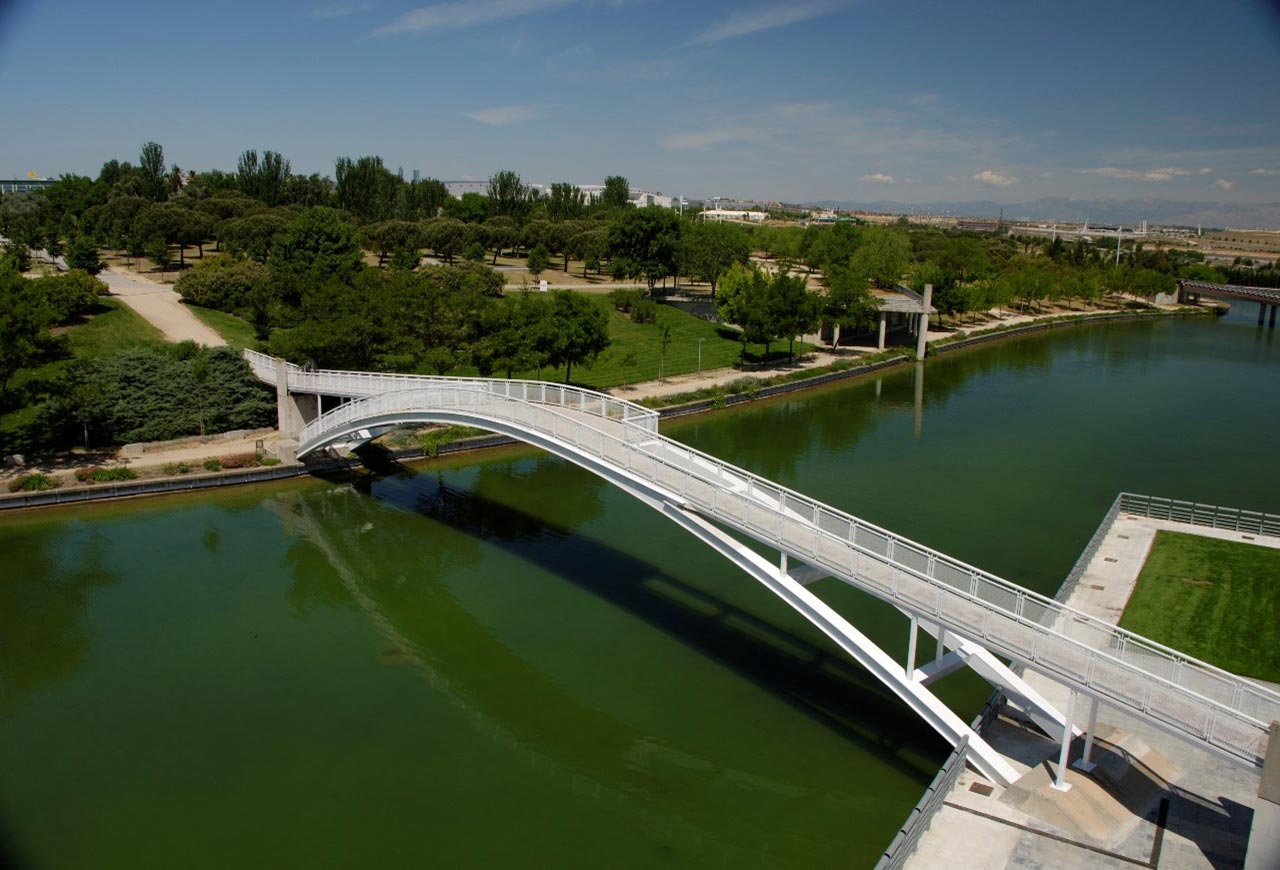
{"x":671,"y":398}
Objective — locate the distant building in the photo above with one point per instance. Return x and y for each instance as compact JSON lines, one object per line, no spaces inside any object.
{"x":728,"y":214}
{"x":20,"y":185}
{"x":981,"y":225}
{"x":458,"y":188}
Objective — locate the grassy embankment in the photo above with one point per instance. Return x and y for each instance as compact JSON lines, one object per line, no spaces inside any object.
{"x":236,"y":331}
{"x":112,"y":328}
{"x":1213,"y":599}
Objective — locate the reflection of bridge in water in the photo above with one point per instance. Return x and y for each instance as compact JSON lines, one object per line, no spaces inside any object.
{"x":973,"y":615}
{"x":1268,"y":298}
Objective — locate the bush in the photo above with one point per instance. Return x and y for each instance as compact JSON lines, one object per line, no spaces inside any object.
{"x":623,"y":299}
{"x":644,"y":311}
{"x":34,"y":483}
{"x":240,"y":460}
{"x":176,"y":468}
{"x":221,"y":282}
{"x":270,"y":460}
{"x":212,"y":465}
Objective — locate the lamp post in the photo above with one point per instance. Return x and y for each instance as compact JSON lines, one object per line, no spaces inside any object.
{"x":700,"y":341}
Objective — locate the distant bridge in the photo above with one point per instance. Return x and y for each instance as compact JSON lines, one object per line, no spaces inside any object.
{"x":973,"y":615}
{"x":1268,"y":298}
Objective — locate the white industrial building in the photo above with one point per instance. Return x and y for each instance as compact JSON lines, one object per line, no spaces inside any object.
{"x":729,"y":214}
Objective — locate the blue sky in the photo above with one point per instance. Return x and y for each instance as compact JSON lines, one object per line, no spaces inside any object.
{"x":909,"y":100}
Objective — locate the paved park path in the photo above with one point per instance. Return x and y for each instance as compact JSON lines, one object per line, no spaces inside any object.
{"x":161,"y":307}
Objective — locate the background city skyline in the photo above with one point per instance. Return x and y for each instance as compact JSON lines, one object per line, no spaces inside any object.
{"x":915,"y":102}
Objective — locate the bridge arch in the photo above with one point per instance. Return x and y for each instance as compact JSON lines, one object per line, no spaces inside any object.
{"x":976,"y":615}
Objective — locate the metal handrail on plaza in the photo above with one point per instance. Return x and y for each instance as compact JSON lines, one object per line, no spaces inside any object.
{"x":1187,"y":696}
{"x":1197,"y":514}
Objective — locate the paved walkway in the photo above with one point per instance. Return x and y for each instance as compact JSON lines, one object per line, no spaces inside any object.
{"x":1210,"y":801}
{"x":161,"y":307}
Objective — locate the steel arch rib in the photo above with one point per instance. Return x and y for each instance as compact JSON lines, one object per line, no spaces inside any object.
{"x":924,"y":703}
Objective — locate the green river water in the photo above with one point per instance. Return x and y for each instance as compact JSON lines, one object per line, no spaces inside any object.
{"x":498,"y":660}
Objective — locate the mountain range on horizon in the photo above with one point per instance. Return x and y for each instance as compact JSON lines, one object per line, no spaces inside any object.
{"x":1126,"y":212}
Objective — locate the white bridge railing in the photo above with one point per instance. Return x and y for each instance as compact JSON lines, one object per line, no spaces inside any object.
{"x":1186,"y":696}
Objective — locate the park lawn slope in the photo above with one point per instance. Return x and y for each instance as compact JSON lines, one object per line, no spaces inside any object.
{"x":235,"y":331}
{"x":1216,"y":600}
{"x":634,"y":350}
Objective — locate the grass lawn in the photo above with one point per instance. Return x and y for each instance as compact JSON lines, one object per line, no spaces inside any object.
{"x":1216,"y":600}
{"x":237,"y":331}
{"x":639,"y":342}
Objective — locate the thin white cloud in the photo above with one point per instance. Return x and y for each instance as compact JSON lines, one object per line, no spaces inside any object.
{"x":991,"y":178}
{"x":745,"y":22}
{"x":458,"y":16}
{"x":1224,"y":184}
{"x":1262,"y":171}
{"x":503,"y":116}
{"x":342,"y":10}
{"x":1163,"y":173}
{"x":1205,"y":170}
{"x":696,"y":139}
{"x":878,"y":178}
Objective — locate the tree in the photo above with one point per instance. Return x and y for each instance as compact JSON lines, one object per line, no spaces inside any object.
{"x":664,"y":341}
{"x":318,"y":247}
{"x":794,"y":309}
{"x":445,"y":236}
{"x":744,"y":300}
{"x":578,"y":330}
{"x":82,"y":254}
{"x":538,"y":261}
{"x":151,"y":171}
{"x":509,"y":196}
{"x":389,"y":236}
{"x":849,"y":303}
{"x":709,"y":249}
{"x":500,"y":232}
{"x":23,"y":319}
{"x":254,"y":235}
{"x":365,"y":188}
{"x":265,"y":180}
{"x":644,"y":243}
{"x":616,"y":193}
{"x":566,"y":202}
{"x":67,"y":295}
{"x":882,"y":256}
{"x":157,"y":251}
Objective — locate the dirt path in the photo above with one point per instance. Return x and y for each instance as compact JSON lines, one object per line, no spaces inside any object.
{"x":161,"y":307}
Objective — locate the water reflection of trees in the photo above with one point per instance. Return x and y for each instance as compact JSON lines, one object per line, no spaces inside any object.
{"x":50,"y":578}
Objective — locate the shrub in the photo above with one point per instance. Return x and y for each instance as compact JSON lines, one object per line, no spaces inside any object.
{"x":103,"y":475}
{"x":176,"y":468}
{"x":644,"y":311}
{"x":34,"y":483}
{"x":240,"y":460}
{"x":221,"y":282}
{"x":212,"y":464}
{"x":270,"y":460}
{"x":623,"y":299}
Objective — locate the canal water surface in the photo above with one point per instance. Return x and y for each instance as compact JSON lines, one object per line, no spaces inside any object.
{"x":500,"y":661}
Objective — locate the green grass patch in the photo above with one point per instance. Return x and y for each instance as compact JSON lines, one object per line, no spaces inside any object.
{"x":1216,"y":600}
{"x":236,"y":331}
{"x":633,"y":355}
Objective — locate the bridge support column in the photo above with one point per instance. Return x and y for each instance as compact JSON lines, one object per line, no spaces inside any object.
{"x":1060,"y":778}
{"x":293,"y":411}
{"x":1262,"y":312}
{"x":1271,"y":321}
{"x":884,"y":318}
{"x":1085,"y":762}
{"x":922,"y":333}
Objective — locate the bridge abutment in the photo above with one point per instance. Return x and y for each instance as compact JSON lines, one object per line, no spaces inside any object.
{"x":293,"y":410}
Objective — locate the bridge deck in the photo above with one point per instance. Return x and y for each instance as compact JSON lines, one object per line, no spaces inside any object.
{"x":1191,"y":699}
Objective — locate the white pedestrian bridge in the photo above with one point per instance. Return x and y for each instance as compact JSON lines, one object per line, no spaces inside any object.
{"x":977,"y":619}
